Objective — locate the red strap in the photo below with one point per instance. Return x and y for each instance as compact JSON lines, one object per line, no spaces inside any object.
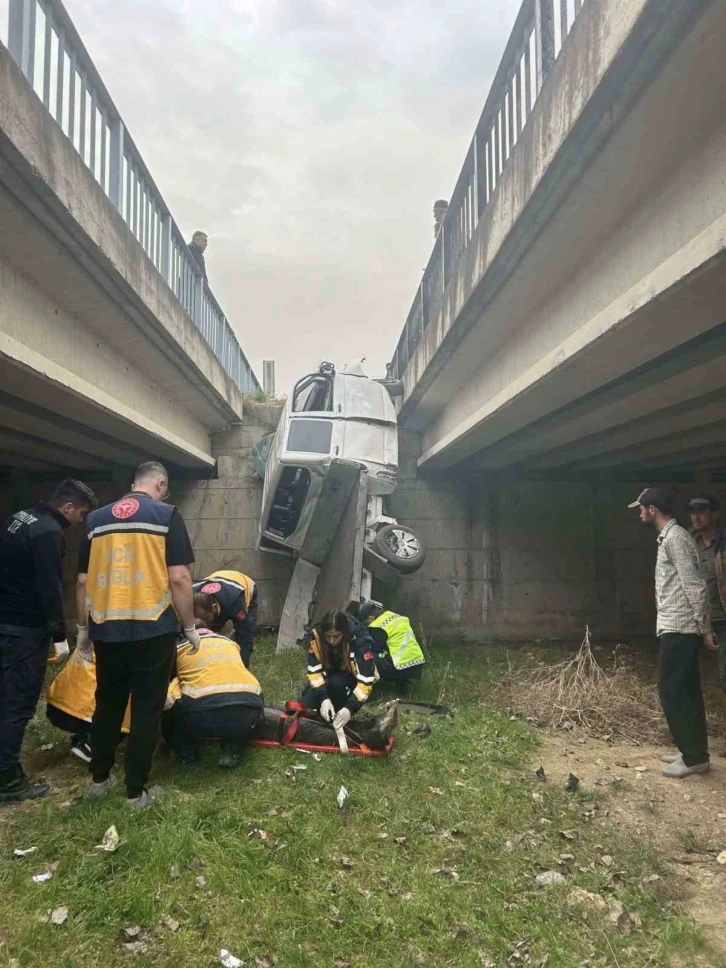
{"x":291,"y":706}
{"x":290,"y":732}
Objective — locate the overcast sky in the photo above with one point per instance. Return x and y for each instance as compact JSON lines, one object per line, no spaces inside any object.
{"x":309,"y":138}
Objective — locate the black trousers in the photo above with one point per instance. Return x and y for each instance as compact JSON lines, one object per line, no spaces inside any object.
{"x":23,"y":660}
{"x":139,"y":670}
{"x":340,"y":686}
{"x":79,"y":729}
{"x":234,"y":725}
{"x":679,"y":687}
{"x":389,"y":673}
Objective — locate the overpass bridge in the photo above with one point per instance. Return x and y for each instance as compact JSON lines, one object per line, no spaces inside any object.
{"x":571,"y":322}
{"x":567,"y":342}
{"x":113,"y":349}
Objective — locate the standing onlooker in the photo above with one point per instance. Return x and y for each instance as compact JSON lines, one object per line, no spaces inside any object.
{"x":32,"y":546}
{"x":711,"y":544}
{"x":683,"y":626}
{"x":134,"y":587}
{"x":441,"y":207}
{"x":196,"y":247}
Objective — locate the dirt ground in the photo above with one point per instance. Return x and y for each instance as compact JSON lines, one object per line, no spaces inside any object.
{"x":687,"y":818}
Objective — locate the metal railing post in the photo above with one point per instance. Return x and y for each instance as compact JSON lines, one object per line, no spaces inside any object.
{"x":21,"y":36}
{"x":544,"y":35}
{"x":165,"y":266}
{"x":116,"y":163}
{"x":196,"y":312}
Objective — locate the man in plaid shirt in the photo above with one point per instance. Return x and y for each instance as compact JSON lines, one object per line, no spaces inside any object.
{"x":684,"y":625}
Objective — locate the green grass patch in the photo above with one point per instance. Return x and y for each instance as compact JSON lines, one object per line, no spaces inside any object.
{"x":464,"y":802}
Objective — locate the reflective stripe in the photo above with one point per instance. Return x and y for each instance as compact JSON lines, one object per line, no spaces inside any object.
{"x":197,"y":692}
{"x":316,"y":668}
{"x":137,"y":614}
{"x":361,"y":693}
{"x":317,"y":681}
{"x":127,"y":526}
{"x":361,"y":678}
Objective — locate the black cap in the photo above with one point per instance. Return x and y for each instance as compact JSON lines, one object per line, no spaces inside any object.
{"x":656,"y":497}
{"x":704,"y":502}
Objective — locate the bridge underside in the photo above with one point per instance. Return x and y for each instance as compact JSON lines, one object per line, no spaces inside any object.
{"x":602,"y":353}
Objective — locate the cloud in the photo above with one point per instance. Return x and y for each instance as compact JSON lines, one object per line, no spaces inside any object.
{"x":309,"y":138}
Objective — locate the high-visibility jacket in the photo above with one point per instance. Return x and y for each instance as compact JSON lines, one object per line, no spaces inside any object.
{"x":357,"y":658}
{"x":403,"y":647}
{"x":74,"y":690}
{"x":236,"y":595}
{"x":215,"y":675}
{"x":128,"y":596}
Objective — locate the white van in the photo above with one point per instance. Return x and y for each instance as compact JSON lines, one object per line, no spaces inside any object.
{"x":335,"y":417}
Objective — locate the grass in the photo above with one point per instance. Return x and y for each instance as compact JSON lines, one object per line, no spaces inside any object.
{"x":292,"y":897}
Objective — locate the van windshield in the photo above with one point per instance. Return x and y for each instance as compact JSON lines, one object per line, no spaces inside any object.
{"x":313,"y":393}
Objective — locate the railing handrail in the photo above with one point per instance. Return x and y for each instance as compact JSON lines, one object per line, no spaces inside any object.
{"x":512,"y":94}
{"x":109,"y":151}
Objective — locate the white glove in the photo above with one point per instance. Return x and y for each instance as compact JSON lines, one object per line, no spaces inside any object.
{"x":193,"y":639}
{"x":83,"y":643}
{"x":61,"y":650}
{"x":342,"y":719}
{"x":327,"y":710}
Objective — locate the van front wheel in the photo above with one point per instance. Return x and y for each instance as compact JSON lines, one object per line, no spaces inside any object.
{"x":401,"y":547}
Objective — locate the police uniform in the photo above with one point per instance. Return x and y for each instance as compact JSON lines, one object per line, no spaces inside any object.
{"x":351,"y":673}
{"x":213,"y":695}
{"x":128,"y":549}
{"x":236,"y":595}
{"x":32,"y":546}
{"x":399,"y":657}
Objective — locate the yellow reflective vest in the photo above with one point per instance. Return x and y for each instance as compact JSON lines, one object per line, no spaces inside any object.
{"x":402,"y":644}
{"x":215,"y":670}
{"x":74,"y":690}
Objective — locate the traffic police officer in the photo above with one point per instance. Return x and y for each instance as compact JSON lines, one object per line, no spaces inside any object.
{"x":229,"y":596}
{"x":32,"y":546}
{"x":399,"y":657}
{"x":134,"y":589}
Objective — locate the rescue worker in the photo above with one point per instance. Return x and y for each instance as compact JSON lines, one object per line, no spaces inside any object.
{"x":133,"y":590}
{"x":32,"y":546}
{"x":340,"y":667}
{"x":71,"y":701}
{"x":213,"y":696}
{"x":229,"y":596}
{"x":399,"y":657}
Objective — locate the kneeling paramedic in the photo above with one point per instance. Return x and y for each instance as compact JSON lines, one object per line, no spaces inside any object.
{"x":399,"y":657}
{"x":134,"y":589}
{"x":229,"y":596}
{"x":340,"y":667}
{"x":213,"y":696}
{"x":71,"y":701}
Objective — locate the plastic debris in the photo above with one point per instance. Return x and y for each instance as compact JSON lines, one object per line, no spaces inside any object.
{"x":47,"y":747}
{"x":228,"y":960}
{"x":550,"y":879}
{"x":437,"y":791}
{"x":18,"y":852}
{"x":317,"y":757}
{"x":401,"y":841}
{"x":342,"y":797}
{"x":42,"y":878}
{"x":299,"y":766}
{"x":298,"y":750}
{"x":259,"y":834}
{"x":59,"y":915}
{"x":110,"y":840}
{"x":201,"y":882}
{"x":572,"y":784}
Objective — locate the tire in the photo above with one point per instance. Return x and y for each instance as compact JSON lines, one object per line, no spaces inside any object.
{"x":401,"y":547}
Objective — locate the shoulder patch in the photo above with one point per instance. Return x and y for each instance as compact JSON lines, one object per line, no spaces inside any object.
{"x":368,"y":656}
{"x":211,"y":588}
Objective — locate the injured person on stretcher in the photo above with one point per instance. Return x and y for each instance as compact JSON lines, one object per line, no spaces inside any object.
{"x":214,"y":697}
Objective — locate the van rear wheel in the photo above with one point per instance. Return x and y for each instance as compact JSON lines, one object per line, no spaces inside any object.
{"x":401,"y":546}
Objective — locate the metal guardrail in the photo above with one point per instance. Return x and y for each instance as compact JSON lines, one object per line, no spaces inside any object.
{"x":540,"y":30}
{"x":43,"y":41}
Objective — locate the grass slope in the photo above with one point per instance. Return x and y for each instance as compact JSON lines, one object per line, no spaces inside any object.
{"x":292,"y":897}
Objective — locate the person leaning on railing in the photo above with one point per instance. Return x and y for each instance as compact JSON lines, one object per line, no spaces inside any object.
{"x":197,"y":246}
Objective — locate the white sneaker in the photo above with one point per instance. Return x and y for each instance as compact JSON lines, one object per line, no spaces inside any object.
{"x":97,"y":790}
{"x":679,"y":769}
{"x":144,"y":801}
{"x":81,"y":750}
{"x":672,"y":757}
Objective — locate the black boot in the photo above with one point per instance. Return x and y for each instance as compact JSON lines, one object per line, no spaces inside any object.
{"x":14,"y":786}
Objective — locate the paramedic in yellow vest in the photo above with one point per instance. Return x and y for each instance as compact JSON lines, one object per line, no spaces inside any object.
{"x":213,"y":696}
{"x":398,"y":655}
{"x":229,"y":596}
{"x":134,"y":593}
{"x":71,"y":700}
